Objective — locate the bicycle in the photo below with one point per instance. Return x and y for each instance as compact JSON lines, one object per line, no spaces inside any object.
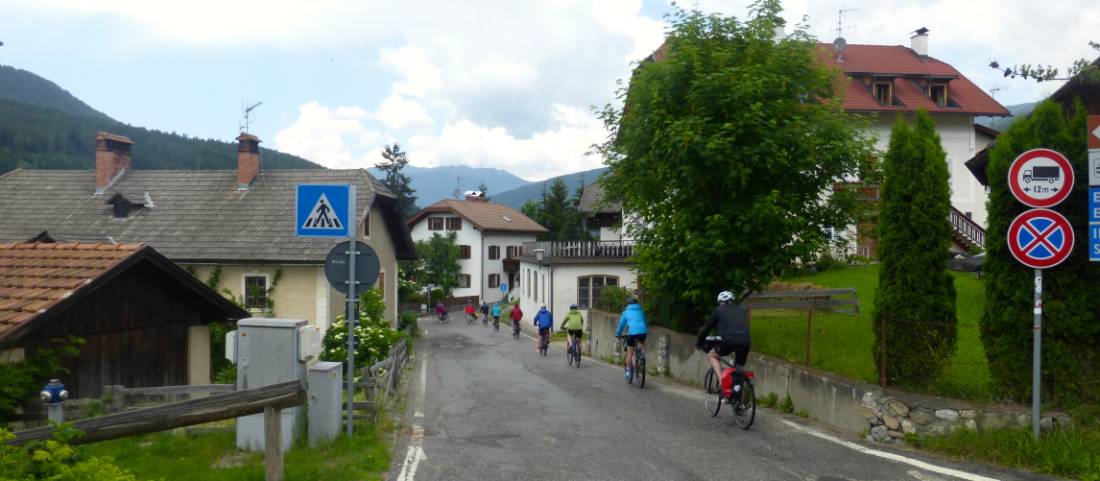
{"x":484,"y":320}
{"x":515,"y":329}
{"x":496,"y":323}
{"x":471,"y":319}
{"x":742,"y":399}
{"x":638,"y":361}
{"x":440,"y":318}
{"x":544,"y":342}
{"x":573,"y":352}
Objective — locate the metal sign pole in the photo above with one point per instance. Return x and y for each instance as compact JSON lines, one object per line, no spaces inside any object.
{"x":1037,"y":340}
{"x":353,"y":311}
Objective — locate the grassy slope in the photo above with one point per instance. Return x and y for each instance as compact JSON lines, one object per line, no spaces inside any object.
{"x":845,"y":344}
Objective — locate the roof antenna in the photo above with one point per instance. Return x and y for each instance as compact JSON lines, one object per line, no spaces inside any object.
{"x":245,"y":124}
{"x":839,"y":44}
{"x":458,"y":187}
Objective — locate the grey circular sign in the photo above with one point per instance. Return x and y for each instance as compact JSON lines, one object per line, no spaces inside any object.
{"x":337,"y":269}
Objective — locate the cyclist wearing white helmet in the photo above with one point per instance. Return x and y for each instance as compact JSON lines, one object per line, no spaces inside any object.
{"x":733,"y":327}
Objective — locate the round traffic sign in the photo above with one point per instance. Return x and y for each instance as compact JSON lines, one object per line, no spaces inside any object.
{"x":1040,"y":178}
{"x":337,"y":269}
{"x":1040,"y":238}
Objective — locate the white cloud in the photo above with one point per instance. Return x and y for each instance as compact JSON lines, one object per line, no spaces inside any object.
{"x":399,"y":112}
{"x":333,"y":137}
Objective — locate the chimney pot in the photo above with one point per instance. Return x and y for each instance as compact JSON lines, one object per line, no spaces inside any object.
{"x":112,"y":159}
{"x":919,"y":41}
{"x":248,"y":160}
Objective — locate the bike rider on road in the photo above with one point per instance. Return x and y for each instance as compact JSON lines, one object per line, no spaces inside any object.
{"x":633,"y":320}
{"x":544,"y":321}
{"x":733,"y":328}
{"x":516,"y":315}
{"x":573,"y":324}
{"x":440,"y":310}
{"x":471,"y":312}
{"x":496,"y":313}
{"x":484,"y":313}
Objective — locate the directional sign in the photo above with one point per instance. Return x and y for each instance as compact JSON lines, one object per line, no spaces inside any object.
{"x":504,"y":287}
{"x":337,"y":268}
{"x":1040,"y":238}
{"x":1094,"y":132}
{"x":1094,"y":242}
{"x":322,"y":210}
{"x":1040,"y":178}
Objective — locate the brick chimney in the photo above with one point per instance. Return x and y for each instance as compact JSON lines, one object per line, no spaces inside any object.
{"x":112,"y":159}
{"x":248,"y":160}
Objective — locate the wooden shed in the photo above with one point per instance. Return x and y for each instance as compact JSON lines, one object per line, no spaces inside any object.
{"x":145,"y":321}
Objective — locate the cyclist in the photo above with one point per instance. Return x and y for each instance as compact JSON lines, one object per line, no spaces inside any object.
{"x":440,"y":311}
{"x":484,"y":314}
{"x":516,"y":315}
{"x":544,"y":321}
{"x":471,"y":313}
{"x":632,"y":325}
{"x":573,"y":324}
{"x":733,"y":328}
{"x":496,"y":315}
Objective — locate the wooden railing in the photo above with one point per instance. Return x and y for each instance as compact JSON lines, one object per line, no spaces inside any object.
{"x":965,"y":229}
{"x":120,"y":398}
{"x":578,"y":249}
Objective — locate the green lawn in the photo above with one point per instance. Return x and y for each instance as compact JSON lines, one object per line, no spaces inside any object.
{"x":213,"y":456}
{"x":844,"y":344}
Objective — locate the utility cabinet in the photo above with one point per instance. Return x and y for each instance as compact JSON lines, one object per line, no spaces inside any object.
{"x":326,"y":385}
{"x":268,"y":351}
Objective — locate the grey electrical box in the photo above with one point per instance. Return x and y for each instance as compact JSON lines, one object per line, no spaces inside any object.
{"x":267,"y":353}
{"x":326,"y":385}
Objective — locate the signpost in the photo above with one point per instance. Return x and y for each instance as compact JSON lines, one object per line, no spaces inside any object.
{"x":1094,"y":186}
{"x":1040,"y":238}
{"x":329,"y":210}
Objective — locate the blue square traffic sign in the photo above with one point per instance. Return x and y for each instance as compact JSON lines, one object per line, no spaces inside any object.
{"x":1094,"y":204}
{"x":321,"y":210}
{"x":1094,"y":242}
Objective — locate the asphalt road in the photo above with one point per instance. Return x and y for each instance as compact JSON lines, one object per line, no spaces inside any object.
{"x":485,"y":406}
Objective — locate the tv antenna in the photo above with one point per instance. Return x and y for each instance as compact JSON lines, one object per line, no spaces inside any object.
{"x":458,"y":187}
{"x":246,"y":114}
{"x":840,"y":21}
{"x":993,"y":91}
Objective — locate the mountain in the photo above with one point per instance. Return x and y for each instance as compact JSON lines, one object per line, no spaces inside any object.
{"x":516,"y":197}
{"x":25,"y":87}
{"x":44,"y":127}
{"x":433,"y":184}
{"x":1000,"y":124}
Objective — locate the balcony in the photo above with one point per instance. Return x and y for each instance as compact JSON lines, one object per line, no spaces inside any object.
{"x":511,"y":264}
{"x":578,"y":251}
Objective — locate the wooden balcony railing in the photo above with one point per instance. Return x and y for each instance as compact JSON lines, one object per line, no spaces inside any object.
{"x":578,"y":249}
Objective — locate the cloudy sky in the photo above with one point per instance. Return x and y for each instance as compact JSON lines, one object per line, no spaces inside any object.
{"x":505,"y":84}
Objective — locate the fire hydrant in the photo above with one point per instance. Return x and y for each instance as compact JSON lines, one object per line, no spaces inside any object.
{"x":54,"y":395}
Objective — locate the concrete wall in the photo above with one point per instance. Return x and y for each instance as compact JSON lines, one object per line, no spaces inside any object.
{"x":382,"y":243}
{"x":198,"y":355}
{"x":295,"y":296}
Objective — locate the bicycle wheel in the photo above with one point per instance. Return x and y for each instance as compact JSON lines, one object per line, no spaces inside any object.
{"x":744,"y":411}
{"x":569,"y":355}
{"x":577,"y":355}
{"x":639,"y":368}
{"x":712,"y":394}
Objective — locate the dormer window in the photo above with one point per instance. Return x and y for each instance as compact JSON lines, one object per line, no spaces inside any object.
{"x":938,"y":93}
{"x":121,"y":206}
{"x":883,"y":92}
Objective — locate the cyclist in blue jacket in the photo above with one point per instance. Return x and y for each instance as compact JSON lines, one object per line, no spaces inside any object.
{"x":544,"y":321}
{"x":633,"y":323}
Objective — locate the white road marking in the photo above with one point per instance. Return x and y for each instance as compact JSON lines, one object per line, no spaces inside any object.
{"x":919,"y":476}
{"x":891,"y":456}
{"x":416,"y":451}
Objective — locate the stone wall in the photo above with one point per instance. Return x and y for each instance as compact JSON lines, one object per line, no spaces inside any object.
{"x":840,"y":402}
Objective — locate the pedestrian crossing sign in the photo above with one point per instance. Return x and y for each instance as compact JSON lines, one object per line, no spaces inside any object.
{"x":322,"y":210}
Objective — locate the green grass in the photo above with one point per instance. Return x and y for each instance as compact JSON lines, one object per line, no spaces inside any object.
{"x":844,"y":343}
{"x":1063,"y":452}
{"x":193,"y":457}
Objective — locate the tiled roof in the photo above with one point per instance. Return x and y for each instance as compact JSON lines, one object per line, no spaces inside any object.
{"x":35,"y":277}
{"x":908,"y":68}
{"x":486,"y":216}
{"x":592,"y":202}
{"x":194,"y":215}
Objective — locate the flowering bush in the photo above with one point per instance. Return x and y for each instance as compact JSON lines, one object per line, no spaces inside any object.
{"x":373,"y":334}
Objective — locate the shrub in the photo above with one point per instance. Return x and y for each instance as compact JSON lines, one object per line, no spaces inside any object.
{"x":916,"y":295}
{"x":613,"y":299}
{"x":21,"y":381}
{"x":54,"y":460}
{"x":373,"y":334}
{"x":1071,"y":291}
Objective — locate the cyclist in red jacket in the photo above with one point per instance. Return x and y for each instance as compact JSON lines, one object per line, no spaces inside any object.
{"x":516,"y":315}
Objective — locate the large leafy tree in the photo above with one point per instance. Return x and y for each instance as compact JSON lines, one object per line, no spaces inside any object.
{"x":557,"y":211}
{"x":727,"y":150}
{"x":916,"y":295}
{"x":1071,"y":291}
{"x":396,"y":180}
{"x":438,"y":263}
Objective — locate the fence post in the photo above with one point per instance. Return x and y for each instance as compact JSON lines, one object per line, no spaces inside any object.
{"x":809,"y":333}
{"x":273,"y":446}
{"x":882,"y":355}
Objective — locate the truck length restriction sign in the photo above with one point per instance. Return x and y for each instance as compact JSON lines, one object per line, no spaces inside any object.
{"x":1040,"y":238}
{"x":1040,"y":178}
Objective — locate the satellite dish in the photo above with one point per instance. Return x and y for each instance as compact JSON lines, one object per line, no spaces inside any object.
{"x":839,"y":44}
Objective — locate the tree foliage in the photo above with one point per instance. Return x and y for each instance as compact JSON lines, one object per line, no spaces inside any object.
{"x":21,"y":381}
{"x":916,"y":295}
{"x":396,"y":180}
{"x":557,"y":211}
{"x":438,"y":262}
{"x":727,"y":151}
{"x":1071,"y":291}
{"x":54,"y":460}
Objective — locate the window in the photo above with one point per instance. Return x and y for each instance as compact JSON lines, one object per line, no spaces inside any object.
{"x":366,"y":226}
{"x":494,"y":280}
{"x":510,"y":252}
{"x":464,"y":280}
{"x":544,"y":288}
{"x":938,"y":94}
{"x":527,"y":282}
{"x":590,"y":288}
{"x":535,"y":287}
{"x":463,"y":252}
{"x":435,"y":223}
{"x":454,"y":223}
{"x":883,"y":92}
{"x":255,"y":291}
{"x":494,"y":253}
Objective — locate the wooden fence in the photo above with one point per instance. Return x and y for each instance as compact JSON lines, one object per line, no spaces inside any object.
{"x":844,"y":301}
{"x":381,"y":379}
